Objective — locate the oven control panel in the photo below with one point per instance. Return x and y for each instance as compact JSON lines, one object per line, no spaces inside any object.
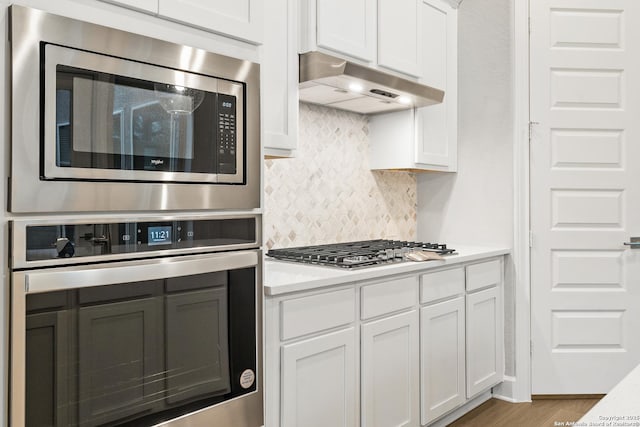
{"x":90,"y":239}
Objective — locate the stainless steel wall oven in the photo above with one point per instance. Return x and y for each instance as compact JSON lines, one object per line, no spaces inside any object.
{"x":136,"y":321}
{"x":98,"y":111}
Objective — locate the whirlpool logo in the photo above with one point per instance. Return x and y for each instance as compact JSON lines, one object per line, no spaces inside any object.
{"x":157,"y":162}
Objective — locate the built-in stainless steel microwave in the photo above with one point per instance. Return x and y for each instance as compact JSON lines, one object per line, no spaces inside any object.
{"x":106,"y":120}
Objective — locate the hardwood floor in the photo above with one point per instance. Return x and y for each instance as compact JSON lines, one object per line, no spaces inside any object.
{"x":539,"y":413}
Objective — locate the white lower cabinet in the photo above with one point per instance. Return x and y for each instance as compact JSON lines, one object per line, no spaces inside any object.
{"x":442,"y":349}
{"x":319,"y":381}
{"x":390,"y":371}
{"x":485,"y":359}
{"x":400,"y":351}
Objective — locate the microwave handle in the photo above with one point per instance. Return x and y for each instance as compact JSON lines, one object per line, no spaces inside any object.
{"x":135,"y":271}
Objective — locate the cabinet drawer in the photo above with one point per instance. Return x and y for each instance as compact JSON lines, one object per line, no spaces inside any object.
{"x":484,"y":275}
{"x":388,"y":297}
{"x":441,"y":285}
{"x":306,"y":315}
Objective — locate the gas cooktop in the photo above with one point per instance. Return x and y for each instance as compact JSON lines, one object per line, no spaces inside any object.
{"x":357,"y":254}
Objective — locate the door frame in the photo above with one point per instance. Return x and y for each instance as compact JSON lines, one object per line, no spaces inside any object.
{"x":521,"y":391}
{"x":517,"y":388}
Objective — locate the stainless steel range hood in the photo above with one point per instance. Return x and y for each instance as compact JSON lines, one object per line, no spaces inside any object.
{"x":338,"y":83}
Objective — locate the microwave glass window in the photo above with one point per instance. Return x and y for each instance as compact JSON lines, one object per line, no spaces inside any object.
{"x":106,"y":121}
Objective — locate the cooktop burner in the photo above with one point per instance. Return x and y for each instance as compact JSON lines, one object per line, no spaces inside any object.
{"x":356,"y":254}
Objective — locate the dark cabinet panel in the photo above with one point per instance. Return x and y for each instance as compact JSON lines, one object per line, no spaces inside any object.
{"x":197,"y":344}
{"x":196,"y":281}
{"x":120,"y":292}
{"x":46,"y":379}
{"x":121,"y":360}
{"x":139,"y":353}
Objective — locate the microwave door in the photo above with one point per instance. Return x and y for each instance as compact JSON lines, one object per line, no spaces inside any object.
{"x":118,"y":120}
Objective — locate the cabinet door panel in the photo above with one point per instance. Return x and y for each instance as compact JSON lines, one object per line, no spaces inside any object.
{"x":390,"y":371}
{"x":47,"y":361}
{"x":120,"y":358}
{"x":319,"y":381}
{"x":483,"y":275}
{"x":442,"y":330}
{"x":308,"y":314}
{"x":441,"y":285}
{"x":435,"y":42}
{"x":485,"y":357}
{"x":197,"y":344}
{"x":399,"y":40}
{"x":241,"y":19}
{"x":347,"y":27}
{"x":437,"y":125}
{"x":387,"y":297}
{"x":280,"y":78}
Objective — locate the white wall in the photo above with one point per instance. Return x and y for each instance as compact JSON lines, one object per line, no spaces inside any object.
{"x":475,"y":205}
{"x":328,"y":193}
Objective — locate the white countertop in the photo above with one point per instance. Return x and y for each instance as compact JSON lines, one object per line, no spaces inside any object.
{"x":620,"y":407}
{"x":281,"y":277}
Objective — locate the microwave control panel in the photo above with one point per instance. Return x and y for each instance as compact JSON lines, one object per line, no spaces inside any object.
{"x":227,"y":130}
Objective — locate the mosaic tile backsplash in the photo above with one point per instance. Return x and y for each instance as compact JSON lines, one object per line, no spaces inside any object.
{"x":327,"y":194}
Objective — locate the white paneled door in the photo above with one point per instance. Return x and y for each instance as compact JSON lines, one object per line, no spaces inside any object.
{"x":585,"y":193}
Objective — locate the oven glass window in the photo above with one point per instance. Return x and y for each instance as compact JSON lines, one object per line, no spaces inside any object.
{"x":139,"y":353}
{"x":107,"y":121}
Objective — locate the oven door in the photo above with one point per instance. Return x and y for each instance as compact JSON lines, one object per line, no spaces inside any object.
{"x":169,"y":340}
{"x":112,"y":119}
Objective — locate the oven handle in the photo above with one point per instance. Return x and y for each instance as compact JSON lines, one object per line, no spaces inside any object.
{"x":135,"y":271}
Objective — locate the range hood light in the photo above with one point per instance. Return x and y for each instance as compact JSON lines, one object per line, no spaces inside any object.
{"x":356,"y":87}
{"x":404,"y":100}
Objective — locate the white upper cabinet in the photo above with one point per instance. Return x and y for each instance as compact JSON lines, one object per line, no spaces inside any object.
{"x":384,"y":34}
{"x":240,"y":19}
{"x":150,"y":6}
{"x":437,"y":126}
{"x":434,"y":16}
{"x":399,"y":39}
{"x":347,"y":27}
{"x":280,"y":79}
{"x":425,"y":138}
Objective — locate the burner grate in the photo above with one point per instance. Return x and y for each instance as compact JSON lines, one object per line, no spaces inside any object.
{"x":356,"y":254}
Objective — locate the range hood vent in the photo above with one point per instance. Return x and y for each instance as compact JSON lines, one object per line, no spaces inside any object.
{"x":337,"y":83}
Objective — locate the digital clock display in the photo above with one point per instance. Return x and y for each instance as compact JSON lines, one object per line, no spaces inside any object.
{"x":160,"y":235}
